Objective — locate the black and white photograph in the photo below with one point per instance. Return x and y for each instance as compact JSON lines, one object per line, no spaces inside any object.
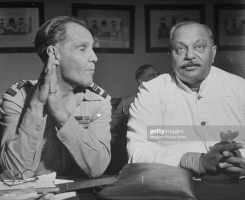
{"x":160,"y":18}
{"x":112,"y":26}
{"x":230,"y":26}
{"x":18,"y":25}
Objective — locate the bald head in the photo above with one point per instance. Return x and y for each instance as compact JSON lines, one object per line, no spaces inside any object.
{"x":192,"y":53}
{"x":186,"y":23}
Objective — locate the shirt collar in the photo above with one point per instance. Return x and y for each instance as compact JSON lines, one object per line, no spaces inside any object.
{"x":85,"y":94}
{"x":203,"y":85}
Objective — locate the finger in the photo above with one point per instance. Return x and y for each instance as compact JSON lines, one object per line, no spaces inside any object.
{"x":51,"y":57}
{"x":229,"y":135}
{"x":234,"y":170}
{"x":47,"y":71}
{"x":43,"y":82}
{"x":53,"y":80}
{"x":225,"y":165}
{"x":226,"y":142}
{"x":222,"y":136}
{"x":230,"y":147}
{"x":52,"y":66}
{"x":228,"y":154}
{"x":233,"y":135}
{"x":234,"y":160}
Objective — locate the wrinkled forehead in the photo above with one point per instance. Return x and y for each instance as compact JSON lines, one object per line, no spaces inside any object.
{"x":191,"y":32}
{"x":76,"y":31}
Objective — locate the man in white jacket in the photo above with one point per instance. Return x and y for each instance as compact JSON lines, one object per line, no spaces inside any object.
{"x":204,"y":103}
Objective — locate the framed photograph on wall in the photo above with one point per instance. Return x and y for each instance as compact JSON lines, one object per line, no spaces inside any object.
{"x":229,"y":26}
{"x":160,"y":18}
{"x":112,"y":26}
{"x":19,"y":23}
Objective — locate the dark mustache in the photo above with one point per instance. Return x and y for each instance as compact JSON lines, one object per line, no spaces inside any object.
{"x":191,"y":63}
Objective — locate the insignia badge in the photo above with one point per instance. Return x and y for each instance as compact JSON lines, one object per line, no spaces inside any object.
{"x":14,"y":89}
{"x":98,"y":90}
{"x":83,"y":121}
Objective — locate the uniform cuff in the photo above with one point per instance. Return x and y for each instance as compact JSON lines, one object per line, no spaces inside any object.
{"x":69,"y":132}
{"x":190,"y":161}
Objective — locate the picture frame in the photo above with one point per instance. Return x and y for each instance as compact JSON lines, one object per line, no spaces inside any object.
{"x":229,"y":26}
{"x":19,"y":22}
{"x":160,"y":18}
{"x":112,"y":26}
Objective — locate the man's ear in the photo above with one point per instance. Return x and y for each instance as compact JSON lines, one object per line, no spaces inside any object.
{"x":214,"y":49}
{"x":55,"y":52}
{"x":139,"y":81}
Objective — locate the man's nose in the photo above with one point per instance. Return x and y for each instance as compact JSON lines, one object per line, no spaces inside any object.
{"x":190,"y":54}
{"x":93,"y":57}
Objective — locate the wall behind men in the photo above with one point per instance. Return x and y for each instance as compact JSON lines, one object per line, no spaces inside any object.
{"x":114,"y":72}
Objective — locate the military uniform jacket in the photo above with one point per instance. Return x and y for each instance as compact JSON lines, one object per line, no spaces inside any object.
{"x":80,"y":148}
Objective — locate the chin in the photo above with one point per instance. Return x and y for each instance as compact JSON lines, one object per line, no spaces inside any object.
{"x":87,"y":83}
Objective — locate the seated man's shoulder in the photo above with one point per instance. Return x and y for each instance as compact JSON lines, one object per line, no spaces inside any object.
{"x":159,"y":82}
{"x":20,"y":90}
{"x":94,"y":92}
{"x":224,"y":76}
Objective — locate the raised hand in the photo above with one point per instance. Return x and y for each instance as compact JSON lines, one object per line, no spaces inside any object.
{"x":55,"y":103}
{"x":41,"y":93}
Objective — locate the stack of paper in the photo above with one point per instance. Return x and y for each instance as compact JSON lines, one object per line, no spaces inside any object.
{"x":44,"y":183}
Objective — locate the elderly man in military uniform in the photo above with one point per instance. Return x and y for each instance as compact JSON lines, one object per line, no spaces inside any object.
{"x":60,"y":122}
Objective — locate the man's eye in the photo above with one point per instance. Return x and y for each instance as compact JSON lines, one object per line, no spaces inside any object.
{"x":180,"y":49}
{"x":82,"y":48}
{"x":199,"y":47}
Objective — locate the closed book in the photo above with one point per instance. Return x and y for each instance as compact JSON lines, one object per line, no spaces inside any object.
{"x":151,"y":181}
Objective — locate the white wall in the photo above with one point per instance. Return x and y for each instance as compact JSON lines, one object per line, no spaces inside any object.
{"x":114,"y":72}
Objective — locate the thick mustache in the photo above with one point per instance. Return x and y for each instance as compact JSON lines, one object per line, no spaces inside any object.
{"x":191,"y":63}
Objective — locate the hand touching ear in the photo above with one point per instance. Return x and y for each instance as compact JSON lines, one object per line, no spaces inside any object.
{"x":41,"y":93}
{"x":55,"y":103}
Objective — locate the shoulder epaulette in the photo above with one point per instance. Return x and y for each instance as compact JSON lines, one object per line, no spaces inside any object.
{"x":14,"y":89}
{"x":98,"y":90}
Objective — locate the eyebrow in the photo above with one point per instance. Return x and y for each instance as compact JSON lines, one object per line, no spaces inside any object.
{"x":197,"y":41}
{"x":82,"y":44}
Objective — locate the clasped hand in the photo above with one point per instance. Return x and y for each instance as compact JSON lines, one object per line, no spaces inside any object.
{"x":224,"y":157}
{"x":48,"y":92}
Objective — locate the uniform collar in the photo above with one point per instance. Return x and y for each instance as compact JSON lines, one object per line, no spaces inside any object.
{"x":79,"y":95}
{"x":85,"y":94}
